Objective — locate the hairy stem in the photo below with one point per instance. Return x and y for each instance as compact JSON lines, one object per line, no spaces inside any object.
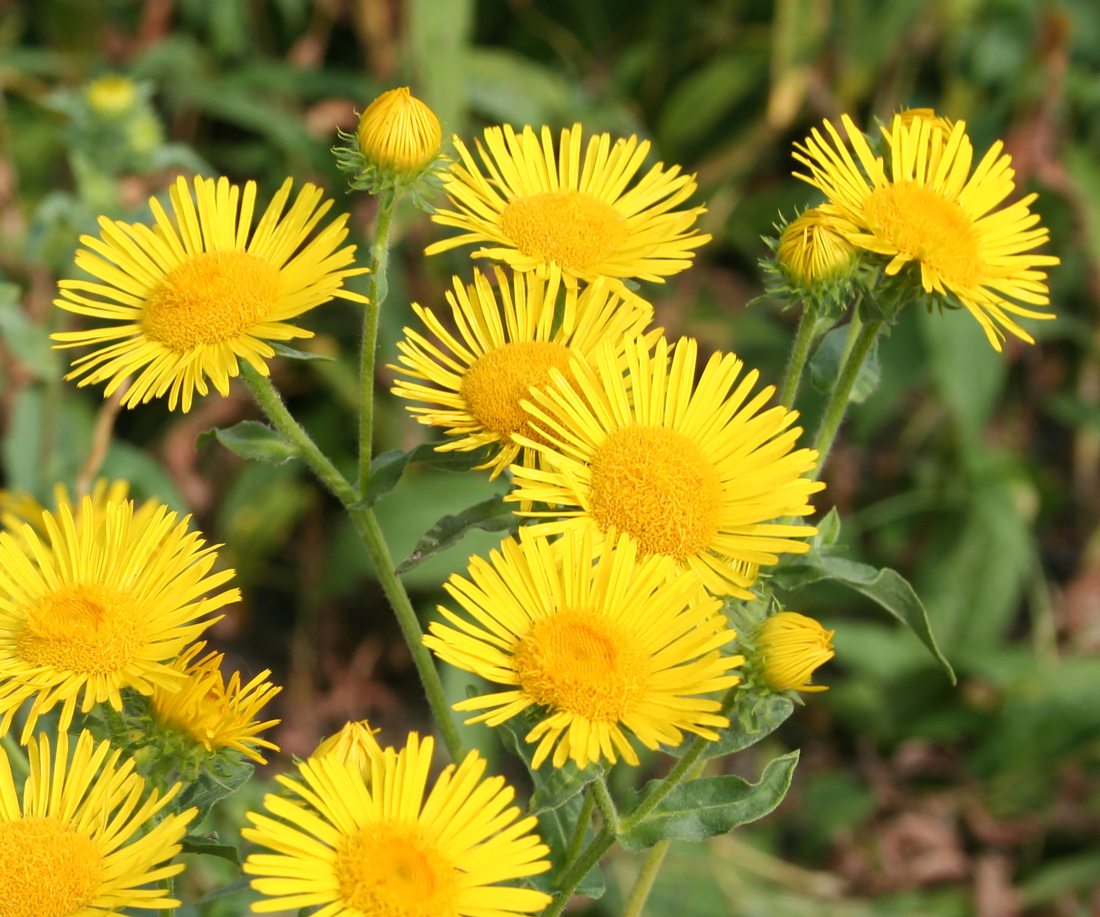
{"x":651,"y":865}
{"x":800,"y":350}
{"x":573,"y":877}
{"x":606,"y":804}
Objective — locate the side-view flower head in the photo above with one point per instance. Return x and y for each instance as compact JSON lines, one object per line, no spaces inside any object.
{"x":561,"y":212}
{"x":788,"y":648}
{"x":200,"y":291}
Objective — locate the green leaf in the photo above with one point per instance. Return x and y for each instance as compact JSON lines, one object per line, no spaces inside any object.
{"x":702,"y":808}
{"x":492,"y":515}
{"x":553,"y":786}
{"x":26,"y":341}
{"x":386,"y":469}
{"x":754,"y":718}
{"x":251,"y":439}
{"x":827,"y":361}
{"x":207,"y":846}
{"x":292,"y":353}
{"x":886,"y":587}
{"x":222,"y":778}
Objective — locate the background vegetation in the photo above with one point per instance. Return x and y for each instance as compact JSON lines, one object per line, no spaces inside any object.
{"x":975,"y":474}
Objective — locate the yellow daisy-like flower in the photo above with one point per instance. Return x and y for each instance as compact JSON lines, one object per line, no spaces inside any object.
{"x":399,"y":132}
{"x":564,"y":213}
{"x":213,"y":714}
{"x":98,"y":607}
{"x":813,"y":250}
{"x":354,"y":744}
{"x":479,"y":377}
{"x":931,"y":210}
{"x":695,"y":472}
{"x":64,"y":851}
{"x":378,"y":848}
{"x":197,"y":293}
{"x":600,"y":639}
{"x":18,"y":509}
{"x":788,"y":648}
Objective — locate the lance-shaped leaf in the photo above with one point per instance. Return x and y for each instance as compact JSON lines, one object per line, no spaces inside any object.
{"x":702,"y":808}
{"x":292,"y":353}
{"x":492,"y":515}
{"x":209,"y":846}
{"x":386,"y":469}
{"x":251,"y":439}
{"x":886,"y":587}
{"x":753,"y":718}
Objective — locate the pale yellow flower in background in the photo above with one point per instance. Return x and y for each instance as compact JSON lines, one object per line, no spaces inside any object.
{"x":112,"y":95}
{"x":389,"y":847}
{"x":788,"y":648}
{"x":561,"y":212}
{"x":198,"y":293}
{"x":399,"y":132}
{"x":929,"y":208}
{"x":86,"y":839}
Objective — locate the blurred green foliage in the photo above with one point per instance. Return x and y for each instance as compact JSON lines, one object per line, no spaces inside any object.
{"x":975,"y":474}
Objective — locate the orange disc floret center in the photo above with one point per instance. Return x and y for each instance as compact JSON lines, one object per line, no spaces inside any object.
{"x":210,"y":298}
{"x":47,"y":868}
{"x":82,"y":627}
{"x":929,"y":228}
{"x":569,"y":228}
{"x":576,"y":662}
{"x":498,"y":381}
{"x":394,"y":870}
{"x":656,"y":485}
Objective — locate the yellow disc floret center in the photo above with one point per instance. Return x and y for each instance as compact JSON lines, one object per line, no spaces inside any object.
{"x":656,"y":485}
{"x":569,"y":228}
{"x":211,"y":298}
{"x":498,"y":381}
{"x":87,"y":628}
{"x":47,"y":868}
{"x":577,"y":662}
{"x":395,"y":870}
{"x":929,"y":228}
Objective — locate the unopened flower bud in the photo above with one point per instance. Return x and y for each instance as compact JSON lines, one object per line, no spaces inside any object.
{"x":813,"y":250}
{"x":399,"y":132}
{"x":788,"y":648}
{"x":354,"y":744}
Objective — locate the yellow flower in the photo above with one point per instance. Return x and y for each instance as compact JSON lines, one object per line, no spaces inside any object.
{"x":213,"y":714}
{"x":64,"y":852}
{"x":112,"y":95}
{"x":378,"y":848}
{"x":601,"y":640}
{"x":570,"y":214}
{"x":479,"y":377}
{"x":931,"y":210}
{"x":18,"y":509}
{"x":99,"y":607}
{"x":196,"y":294}
{"x":695,"y":472}
{"x":354,"y":744}
{"x":789,"y":646}
{"x":812,"y":249}
{"x":399,"y":132}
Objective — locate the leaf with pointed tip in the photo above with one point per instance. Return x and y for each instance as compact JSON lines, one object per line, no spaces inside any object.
{"x":208,"y":846}
{"x":292,"y":353}
{"x":492,"y":515}
{"x":756,"y":718}
{"x":387,"y":468}
{"x":251,"y":439}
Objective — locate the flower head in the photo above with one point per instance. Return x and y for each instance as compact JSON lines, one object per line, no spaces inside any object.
{"x":399,"y":132}
{"x":70,"y":849}
{"x":94,"y":608}
{"x":479,"y":378}
{"x":813,"y":251}
{"x":571,"y":214}
{"x":200,"y":292}
{"x":378,"y":848}
{"x":598,"y":639}
{"x":788,"y":647}
{"x":931,"y":210}
{"x":354,"y":744}
{"x":693,"y":471}
{"x":211,"y":713}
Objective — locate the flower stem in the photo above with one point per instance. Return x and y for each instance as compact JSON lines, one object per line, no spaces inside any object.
{"x":583,"y":820}
{"x":800,"y":350}
{"x":606,"y":804}
{"x":672,"y":780}
{"x":377,"y":288}
{"x":856,"y":349}
{"x":573,"y":877}
{"x":367,"y":526}
{"x":651,"y":865}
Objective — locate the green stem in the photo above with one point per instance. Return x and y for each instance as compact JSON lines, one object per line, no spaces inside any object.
{"x":606,"y":804}
{"x":651,"y":865}
{"x":672,"y":780}
{"x":367,"y":526}
{"x":857,"y":348}
{"x":583,"y":820}
{"x":800,"y":350}
{"x":377,"y":288}
{"x":573,"y":877}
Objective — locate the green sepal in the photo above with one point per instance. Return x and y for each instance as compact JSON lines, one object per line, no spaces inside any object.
{"x":251,"y":439}
{"x":492,"y":515}
{"x":703,"y":808}
{"x":207,"y":846}
{"x":387,"y":468}
{"x":753,"y":718}
{"x":886,"y":587}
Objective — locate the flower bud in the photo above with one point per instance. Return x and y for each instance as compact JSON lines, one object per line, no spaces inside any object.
{"x":354,"y":744}
{"x":788,"y":648}
{"x":399,"y":132}
{"x":111,"y":96}
{"x":812,"y":249}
